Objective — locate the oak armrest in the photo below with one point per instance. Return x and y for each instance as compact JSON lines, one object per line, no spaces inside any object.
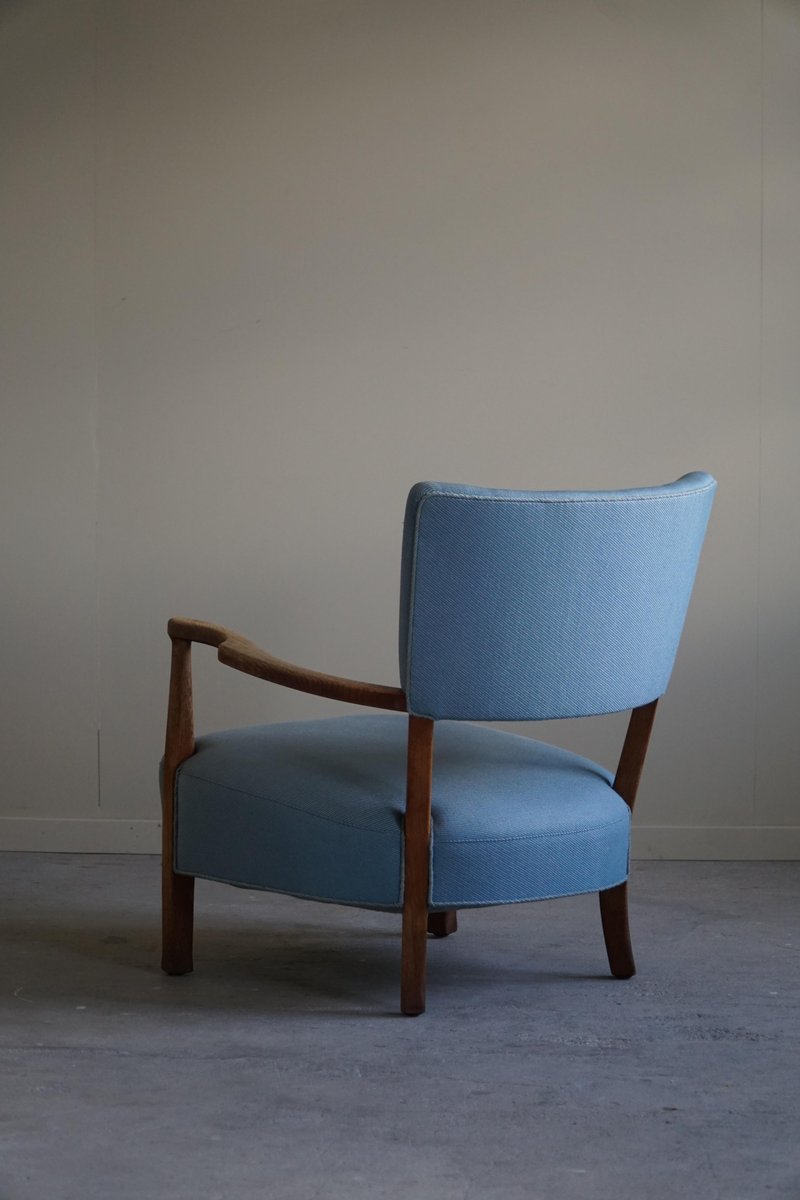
{"x":236,"y":651}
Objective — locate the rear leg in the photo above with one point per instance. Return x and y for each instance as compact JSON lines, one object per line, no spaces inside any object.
{"x":614,"y":915}
{"x":442,"y":924}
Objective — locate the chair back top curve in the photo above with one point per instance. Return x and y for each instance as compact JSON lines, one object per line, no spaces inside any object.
{"x":537,"y":605}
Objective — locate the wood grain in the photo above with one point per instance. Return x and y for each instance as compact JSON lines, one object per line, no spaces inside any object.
{"x":614,"y":901}
{"x":177,"y":891}
{"x":634,"y":752}
{"x":417,"y":842}
{"x":236,"y":651}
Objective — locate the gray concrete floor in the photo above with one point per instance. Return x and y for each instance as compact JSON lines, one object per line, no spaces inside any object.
{"x":280,"y":1070}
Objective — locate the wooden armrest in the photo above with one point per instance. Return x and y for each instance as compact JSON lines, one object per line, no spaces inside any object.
{"x":235,"y":651}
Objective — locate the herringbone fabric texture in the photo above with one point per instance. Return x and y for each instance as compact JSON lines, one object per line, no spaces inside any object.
{"x":316,"y":808}
{"x":533,"y":605}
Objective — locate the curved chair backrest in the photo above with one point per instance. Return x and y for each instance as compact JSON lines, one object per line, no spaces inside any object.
{"x":534,"y":605}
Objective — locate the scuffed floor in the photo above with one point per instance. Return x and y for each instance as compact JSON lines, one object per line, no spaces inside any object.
{"x":280,"y":1069}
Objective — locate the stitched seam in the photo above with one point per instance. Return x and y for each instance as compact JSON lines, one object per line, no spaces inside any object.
{"x":292,"y":807}
{"x":381,"y":905}
{"x":532,"y":837}
{"x":460,"y":902}
{"x":556,"y":499}
{"x":412,"y":602}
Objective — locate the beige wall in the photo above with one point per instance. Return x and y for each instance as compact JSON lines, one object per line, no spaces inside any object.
{"x":271,"y":263}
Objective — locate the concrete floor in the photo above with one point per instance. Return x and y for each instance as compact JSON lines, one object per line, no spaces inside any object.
{"x":279,"y":1069}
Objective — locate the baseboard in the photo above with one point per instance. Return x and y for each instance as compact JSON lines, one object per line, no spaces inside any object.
{"x":716,"y":842}
{"x":94,"y":835}
{"x":712,"y":842}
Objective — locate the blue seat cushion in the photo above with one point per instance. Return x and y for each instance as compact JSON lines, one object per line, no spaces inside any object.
{"x":315,"y":809}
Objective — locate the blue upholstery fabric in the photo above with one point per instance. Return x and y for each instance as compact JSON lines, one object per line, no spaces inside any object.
{"x":315,"y":808}
{"x":531,"y":605}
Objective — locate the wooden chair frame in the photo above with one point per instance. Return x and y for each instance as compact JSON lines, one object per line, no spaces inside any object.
{"x":241,"y":654}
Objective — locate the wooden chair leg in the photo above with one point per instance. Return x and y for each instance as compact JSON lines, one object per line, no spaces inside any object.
{"x":417,"y":841}
{"x":415,"y":951}
{"x":177,"y":922}
{"x":614,"y":915}
{"x":614,"y":901}
{"x":442,"y":924}
{"x":177,"y":891}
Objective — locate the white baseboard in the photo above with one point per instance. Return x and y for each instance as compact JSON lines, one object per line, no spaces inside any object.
{"x":80,"y":836}
{"x":99,"y":836}
{"x":716,"y":842}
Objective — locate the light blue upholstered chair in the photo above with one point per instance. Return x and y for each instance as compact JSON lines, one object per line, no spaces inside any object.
{"x":514,"y":606}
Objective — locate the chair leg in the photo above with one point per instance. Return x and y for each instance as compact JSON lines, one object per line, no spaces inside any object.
{"x":177,"y":891}
{"x":442,"y":924}
{"x":177,"y":922}
{"x":614,"y":915}
{"x":416,"y":861}
{"x":415,"y":952}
